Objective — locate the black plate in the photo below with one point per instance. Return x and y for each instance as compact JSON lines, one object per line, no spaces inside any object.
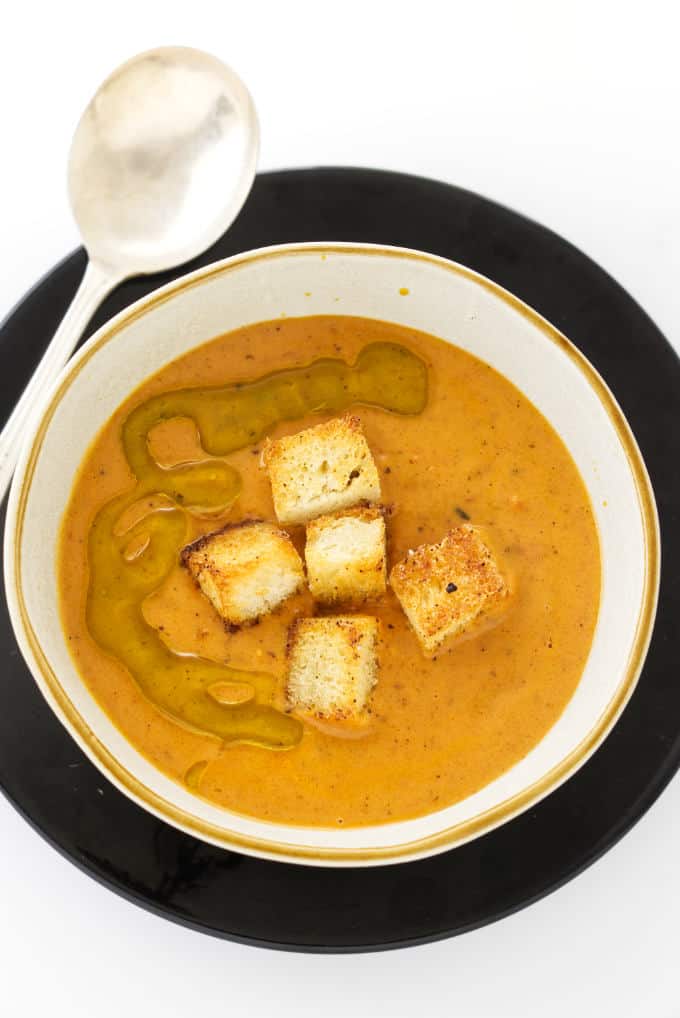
{"x":296,"y":907}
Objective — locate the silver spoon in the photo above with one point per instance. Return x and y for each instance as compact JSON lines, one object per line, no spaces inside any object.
{"x":160,"y":165}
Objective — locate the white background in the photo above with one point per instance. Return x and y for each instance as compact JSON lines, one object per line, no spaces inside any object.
{"x":567,"y":112}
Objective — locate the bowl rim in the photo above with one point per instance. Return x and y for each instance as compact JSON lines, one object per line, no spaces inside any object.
{"x":263,"y":847}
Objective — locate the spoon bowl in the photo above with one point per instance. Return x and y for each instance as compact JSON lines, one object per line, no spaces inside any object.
{"x":162,"y":160}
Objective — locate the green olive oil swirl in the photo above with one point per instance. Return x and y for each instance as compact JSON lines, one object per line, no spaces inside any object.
{"x":135,"y":539}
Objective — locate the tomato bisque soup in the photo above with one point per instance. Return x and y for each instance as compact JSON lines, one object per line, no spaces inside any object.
{"x":453,"y":441}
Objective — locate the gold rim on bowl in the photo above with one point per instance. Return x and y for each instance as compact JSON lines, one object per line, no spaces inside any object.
{"x":264,"y":847}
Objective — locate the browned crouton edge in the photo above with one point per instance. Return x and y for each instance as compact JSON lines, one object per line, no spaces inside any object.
{"x":201,"y":542}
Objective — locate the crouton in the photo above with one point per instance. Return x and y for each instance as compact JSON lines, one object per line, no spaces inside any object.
{"x":445,"y":589}
{"x":332,"y":667}
{"x":345,"y":555}
{"x":321,"y":470}
{"x":245,"y":569}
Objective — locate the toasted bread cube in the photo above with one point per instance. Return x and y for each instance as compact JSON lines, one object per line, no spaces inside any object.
{"x":332,"y":667}
{"x":321,"y":470}
{"x":345,"y":555}
{"x":245,"y":569}
{"x":446,"y":588}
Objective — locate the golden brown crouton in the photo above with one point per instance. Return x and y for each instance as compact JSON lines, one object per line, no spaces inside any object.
{"x":245,"y":569}
{"x":321,"y":470}
{"x":345,"y":555}
{"x":446,"y":588}
{"x":332,"y":667}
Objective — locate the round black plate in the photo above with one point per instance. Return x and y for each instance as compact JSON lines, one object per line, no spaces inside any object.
{"x":278,"y":905}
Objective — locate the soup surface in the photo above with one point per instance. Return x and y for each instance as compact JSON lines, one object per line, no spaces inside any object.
{"x":453,"y":440}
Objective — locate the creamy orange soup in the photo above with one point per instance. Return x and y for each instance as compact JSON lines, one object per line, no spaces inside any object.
{"x":453,"y":440}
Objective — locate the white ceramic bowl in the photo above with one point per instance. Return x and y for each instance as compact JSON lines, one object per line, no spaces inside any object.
{"x":449,"y":301}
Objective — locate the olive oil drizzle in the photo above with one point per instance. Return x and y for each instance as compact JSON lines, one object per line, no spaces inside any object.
{"x":135,"y":538}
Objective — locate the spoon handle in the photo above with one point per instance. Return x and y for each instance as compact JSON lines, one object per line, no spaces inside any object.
{"x":94,"y":286}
